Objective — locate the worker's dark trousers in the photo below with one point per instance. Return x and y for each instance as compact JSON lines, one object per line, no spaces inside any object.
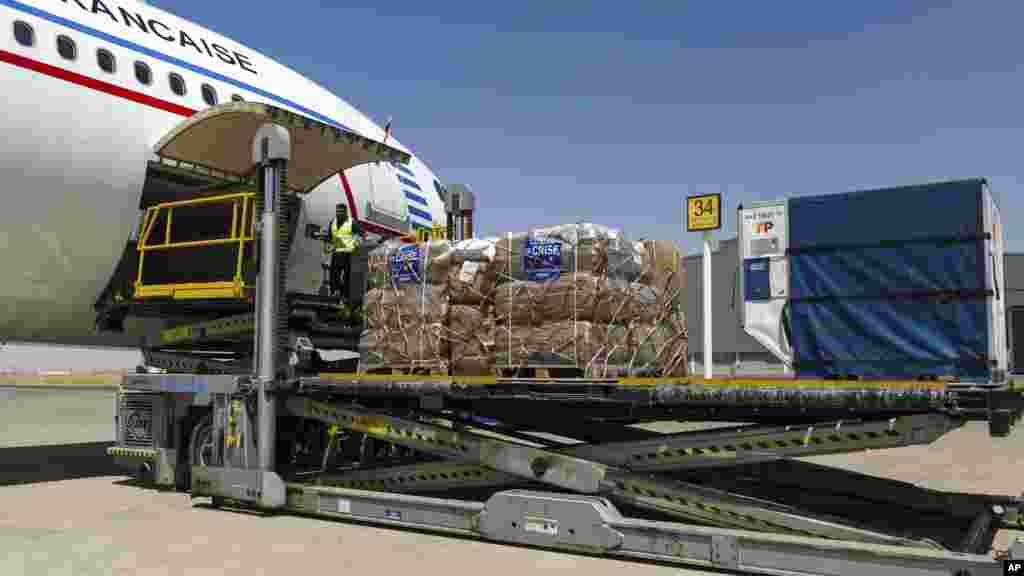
{"x":341,"y":273}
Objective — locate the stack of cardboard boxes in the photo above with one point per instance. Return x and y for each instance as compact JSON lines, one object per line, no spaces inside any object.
{"x":576,"y":296}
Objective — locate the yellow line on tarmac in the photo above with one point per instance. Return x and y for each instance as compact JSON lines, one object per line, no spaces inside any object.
{"x":69,"y":379}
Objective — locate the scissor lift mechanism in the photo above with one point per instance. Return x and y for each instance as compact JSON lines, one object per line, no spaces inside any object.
{"x":565,"y":495}
{"x":730,"y":498}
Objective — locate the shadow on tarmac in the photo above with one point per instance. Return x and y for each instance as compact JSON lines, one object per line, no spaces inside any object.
{"x":30,"y":464}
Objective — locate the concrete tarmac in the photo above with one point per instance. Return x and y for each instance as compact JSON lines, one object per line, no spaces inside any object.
{"x":100,"y":526}
{"x":65,"y":510}
{"x":54,"y":416}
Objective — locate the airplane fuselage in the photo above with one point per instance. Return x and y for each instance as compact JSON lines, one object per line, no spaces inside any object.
{"x":91,"y":86}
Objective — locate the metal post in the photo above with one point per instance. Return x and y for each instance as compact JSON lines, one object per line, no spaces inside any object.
{"x":454,"y":199}
{"x":708,"y":359}
{"x":271,"y":150}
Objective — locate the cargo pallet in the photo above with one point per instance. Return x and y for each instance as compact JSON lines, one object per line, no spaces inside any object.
{"x":553,"y":462}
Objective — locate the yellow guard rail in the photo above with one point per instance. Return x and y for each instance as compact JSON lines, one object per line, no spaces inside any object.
{"x":156,"y":235}
{"x":438,"y":232}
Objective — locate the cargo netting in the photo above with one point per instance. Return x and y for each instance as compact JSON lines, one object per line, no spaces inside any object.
{"x":578,"y":296}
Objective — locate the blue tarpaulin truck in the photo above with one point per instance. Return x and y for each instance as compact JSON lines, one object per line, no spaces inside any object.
{"x":896,"y":283}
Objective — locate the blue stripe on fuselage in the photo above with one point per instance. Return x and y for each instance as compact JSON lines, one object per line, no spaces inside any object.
{"x":408,"y":182}
{"x":416,"y":198}
{"x":420,"y":213}
{"x":166,"y":58}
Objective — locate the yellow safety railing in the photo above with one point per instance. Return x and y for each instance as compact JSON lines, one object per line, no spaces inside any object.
{"x":438,"y":232}
{"x":242,"y":230}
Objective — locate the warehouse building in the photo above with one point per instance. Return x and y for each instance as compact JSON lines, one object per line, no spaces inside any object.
{"x":731,"y":345}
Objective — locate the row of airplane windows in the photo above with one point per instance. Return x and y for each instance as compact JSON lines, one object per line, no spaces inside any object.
{"x":25,"y":35}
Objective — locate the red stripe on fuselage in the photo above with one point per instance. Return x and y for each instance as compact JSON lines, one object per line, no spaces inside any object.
{"x":94,"y":84}
{"x":146,"y":100}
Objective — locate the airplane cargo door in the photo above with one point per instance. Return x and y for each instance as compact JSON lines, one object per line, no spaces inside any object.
{"x":384,"y":202}
{"x":1016,"y":339}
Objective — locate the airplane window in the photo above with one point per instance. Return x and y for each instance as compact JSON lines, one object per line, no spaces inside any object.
{"x":106,"y":60}
{"x":66,"y":47}
{"x":24,"y":34}
{"x":209,"y":95}
{"x":143,"y":73}
{"x":177,"y":84}
{"x":237,"y":98}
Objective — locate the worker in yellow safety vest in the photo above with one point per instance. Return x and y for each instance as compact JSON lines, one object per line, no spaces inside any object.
{"x":344,"y":241}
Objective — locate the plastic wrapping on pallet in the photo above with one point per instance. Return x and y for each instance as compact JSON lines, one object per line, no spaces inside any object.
{"x":470,"y":250}
{"x":472,"y":269}
{"x":403,"y":324}
{"x":661,"y":267}
{"x":463,"y":268}
{"x":418,"y":346}
{"x":588,"y":248}
{"x":585,"y":297}
{"x":599,"y":350}
{"x":471,"y":283}
{"x":467,"y":340}
{"x":576,"y":296}
{"x":402,"y":263}
{"x":386,"y":307}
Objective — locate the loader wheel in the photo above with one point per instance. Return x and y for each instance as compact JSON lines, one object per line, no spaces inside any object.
{"x":202,"y":449}
{"x":144,"y":474}
{"x":1000,"y":423}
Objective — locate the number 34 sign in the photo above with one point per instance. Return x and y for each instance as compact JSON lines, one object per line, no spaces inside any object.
{"x":703,"y":212}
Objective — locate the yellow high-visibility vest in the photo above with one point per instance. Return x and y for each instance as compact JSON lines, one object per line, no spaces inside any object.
{"x":344,"y":240}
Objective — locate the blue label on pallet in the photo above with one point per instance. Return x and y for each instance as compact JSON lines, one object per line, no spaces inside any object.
{"x":405,"y":264}
{"x":542,"y":260}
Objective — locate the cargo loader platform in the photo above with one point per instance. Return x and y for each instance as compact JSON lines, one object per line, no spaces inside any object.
{"x":551,"y":462}
{"x":223,"y":345}
{"x":730,"y":497}
{"x":766,"y":400}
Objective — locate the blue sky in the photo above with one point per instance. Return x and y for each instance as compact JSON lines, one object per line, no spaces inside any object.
{"x":613,"y":112}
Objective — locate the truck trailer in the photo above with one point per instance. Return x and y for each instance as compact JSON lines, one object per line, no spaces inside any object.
{"x":241,"y":402}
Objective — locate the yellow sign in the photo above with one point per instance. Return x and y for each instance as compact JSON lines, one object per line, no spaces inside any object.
{"x":703,"y":212}
{"x":438,"y":232}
